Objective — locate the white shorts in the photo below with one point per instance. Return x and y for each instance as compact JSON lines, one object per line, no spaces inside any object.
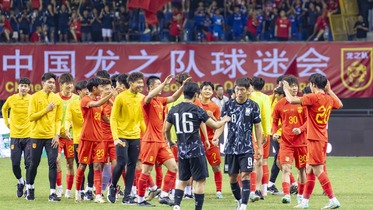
{"x":15,"y":35}
{"x":106,"y":32}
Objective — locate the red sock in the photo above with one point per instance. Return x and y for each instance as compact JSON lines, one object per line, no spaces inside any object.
{"x":239,"y":180}
{"x":69,"y":181}
{"x":141,"y":186}
{"x":59,"y":178}
{"x":218,"y":180}
{"x":158,"y":175}
{"x":310,"y":184}
{"x":97,"y":180}
{"x":150,"y":182}
{"x":252,"y":182}
{"x":265,"y":177}
{"x":286,"y":188}
{"x":124,"y":176}
{"x":301,"y":188}
{"x":324,"y":167}
{"x":137,"y":175}
{"x":292,"y":180}
{"x":79,"y":179}
{"x":168,"y":181}
{"x":325,"y":184}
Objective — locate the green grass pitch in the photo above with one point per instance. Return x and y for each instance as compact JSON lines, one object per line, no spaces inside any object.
{"x":351,"y":177}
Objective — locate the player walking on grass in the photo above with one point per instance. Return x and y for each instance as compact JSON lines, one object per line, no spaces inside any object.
{"x":65,"y":143}
{"x":239,"y":149}
{"x":293,"y":139}
{"x":91,"y":148}
{"x":186,"y":117}
{"x":45,"y":114}
{"x":319,"y":105}
{"x":126,"y":122}
{"x":20,"y":128}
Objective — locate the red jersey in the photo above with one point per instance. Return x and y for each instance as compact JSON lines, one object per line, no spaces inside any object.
{"x":76,"y":25}
{"x":154,"y":116}
{"x":211,"y":106}
{"x":106,"y":130}
{"x":92,"y":129}
{"x":197,"y":102}
{"x":283,"y":25}
{"x":291,"y":116}
{"x":252,"y":24}
{"x":176,"y":23}
{"x":321,"y":23}
{"x":319,"y":107}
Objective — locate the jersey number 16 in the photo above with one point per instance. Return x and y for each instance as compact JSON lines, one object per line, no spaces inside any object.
{"x":186,"y":123}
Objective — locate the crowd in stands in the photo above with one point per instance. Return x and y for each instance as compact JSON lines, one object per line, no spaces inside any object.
{"x":54,"y":21}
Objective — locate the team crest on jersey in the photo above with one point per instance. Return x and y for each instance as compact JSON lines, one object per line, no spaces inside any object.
{"x":12,"y":146}
{"x":85,"y":159}
{"x":300,"y":109}
{"x":357,"y":68}
{"x":248,"y":111}
{"x":34,"y":145}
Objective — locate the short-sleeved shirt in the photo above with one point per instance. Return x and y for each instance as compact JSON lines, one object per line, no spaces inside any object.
{"x":319,"y":107}
{"x":92,"y":128}
{"x":211,"y":106}
{"x":107,"y":20}
{"x":283,"y":25}
{"x":243,"y":117}
{"x":154,"y":116}
{"x":187,"y":117}
{"x":106,"y":130}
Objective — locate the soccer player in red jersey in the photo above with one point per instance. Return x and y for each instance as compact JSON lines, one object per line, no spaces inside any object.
{"x":212,"y":153}
{"x":319,"y":105}
{"x":91,"y":148}
{"x":293,"y":139}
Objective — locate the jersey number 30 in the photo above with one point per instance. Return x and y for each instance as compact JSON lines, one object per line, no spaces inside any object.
{"x":185,"y":121}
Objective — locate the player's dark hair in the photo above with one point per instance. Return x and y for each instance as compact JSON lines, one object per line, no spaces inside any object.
{"x":190,"y":89}
{"x":258,"y":83}
{"x":291,"y":79}
{"x":24,"y":81}
{"x":135,"y":76}
{"x":82,"y":84}
{"x":204,"y":83}
{"x":306,"y":90}
{"x":319,"y":80}
{"x":218,"y":86}
{"x":243,"y":82}
{"x":114,"y":79}
{"x":181,"y":77}
{"x":280,"y":91}
{"x":66,"y":78}
{"x":93,"y":82}
{"x":279,"y":79}
{"x":106,"y":82}
{"x":47,"y":76}
{"x":102,"y":74}
{"x":122,"y":79}
{"x":151,"y":80}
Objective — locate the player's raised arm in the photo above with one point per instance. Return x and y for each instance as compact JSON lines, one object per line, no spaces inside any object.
{"x":155,"y":92}
{"x":178,"y":92}
{"x":337,"y":101}
{"x":291,"y":99}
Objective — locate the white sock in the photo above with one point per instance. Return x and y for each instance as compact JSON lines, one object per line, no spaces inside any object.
{"x":21,"y":181}
{"x":294,"y":184}
{"x":140,"y":199}
{"x":264,"y":188}
{"x":164,"y":194}
{"x":188,"y":190}
{"x":173,"y":192}
{"x":89,"y":189}
{"x":270,"y":184}
{"x":68,"y":191}
{"x":154,"y":188}
{"x":52,"y":191}
{"x":243,"y":207}
{"x":305,"y":200}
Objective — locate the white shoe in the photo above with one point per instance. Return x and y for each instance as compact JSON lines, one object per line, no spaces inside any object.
{"x":219,"y":195}
{"x":68,"y":194}
{"x":238,"y":205}
{"x":176,"y":207}
{"x":302,"y":205}
{"x":333,"y":204}
{"x":59,"y":191}
{"x":286,"y":199}
{"x":253,"y":197}
{"x":99,"y":199}
{"x":299,"y":199}
{"x":146,"y":31}
{"x":78,"y":196}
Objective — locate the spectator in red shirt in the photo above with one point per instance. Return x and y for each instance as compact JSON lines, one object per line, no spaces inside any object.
{"x":251,"y":25}
{"x":75,"y":27}
{"x":283,"y":27}
{"x":320,"y":26}
{"x":36,"y":37}
{"x":333,"y":7}
{"x":5,"y":5}
{"x":208,"y":37}
{"x":5,"y":28}
{"x":177,"y":24}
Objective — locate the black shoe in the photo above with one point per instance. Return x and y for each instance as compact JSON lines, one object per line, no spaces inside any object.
{"x":88,"y":196}
{"x":188,"y":196}
{"x":30,"y":195}
{"x":293,"y":189}
{"x":20,"y":188}
{"x":273,"y":190}
{"x":166,"y":201}
{"x":111,"y":195}
{"x":259,"y":193}
{"x":25,"y":193}
{"x":146,"y":204}
{"x":129,"y":200}
{"x":82,"y":195}
{"x":53,"y":198}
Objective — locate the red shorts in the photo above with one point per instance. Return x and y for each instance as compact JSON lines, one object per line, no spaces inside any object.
{"x":110,"y":150}
{"x":213,"y":155}
{"x":67,"y":146}
{"x":91,"y":152}
{"x":316,"y":152}
{"x":151,"y":152}
{"x":174,"y":151}
{"x":287,"y":154}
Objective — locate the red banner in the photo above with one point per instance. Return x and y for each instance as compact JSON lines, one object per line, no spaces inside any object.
{"x":348,"y":66}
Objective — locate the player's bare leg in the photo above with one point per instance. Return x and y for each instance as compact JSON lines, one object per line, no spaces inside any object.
{"x":259,"y":175}
{"x":168,"y":181}
{"x":142,"y":184}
